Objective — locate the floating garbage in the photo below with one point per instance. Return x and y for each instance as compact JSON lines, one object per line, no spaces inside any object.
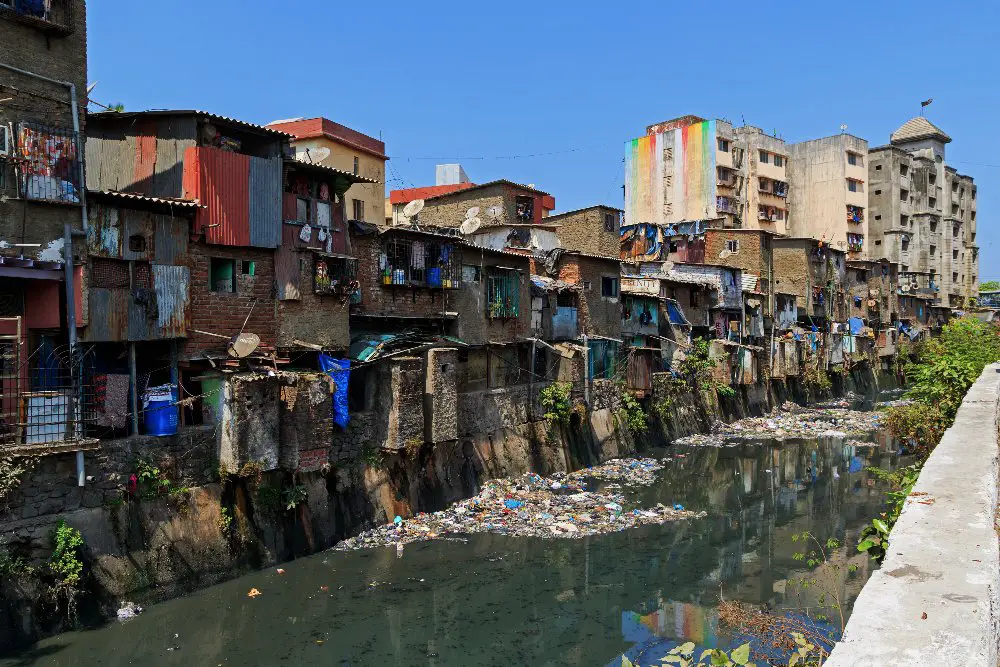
{"x":534,"y":506}
{"x":129,"y":610}
{"x":788,"y":422}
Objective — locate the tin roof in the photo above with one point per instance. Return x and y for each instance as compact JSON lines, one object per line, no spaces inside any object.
{"x":131,"y":197}
{"x":333,"y":171}
{"x":242,"y":124}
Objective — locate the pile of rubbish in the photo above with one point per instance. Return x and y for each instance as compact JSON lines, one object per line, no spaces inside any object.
{"x":532,"y":506}
{"x":789,"y":422}
{"x":640,"y":472}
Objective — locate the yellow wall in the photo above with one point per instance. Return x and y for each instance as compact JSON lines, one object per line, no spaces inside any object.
{"x":342,"y":157}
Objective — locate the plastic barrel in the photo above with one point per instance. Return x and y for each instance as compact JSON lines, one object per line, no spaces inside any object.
{"x":160,"y":415}
{"x":434,"y":277}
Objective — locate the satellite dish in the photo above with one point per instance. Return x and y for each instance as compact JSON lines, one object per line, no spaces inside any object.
{"x":904,"y":288}
{"x":725,"y":253}
{"x":494,"y":212}
{"x":243,"y":344}
{"x":312,"y":155}
{"x":413,"y":208}
{"x":472,"y":212}
{"x":470,"y":225}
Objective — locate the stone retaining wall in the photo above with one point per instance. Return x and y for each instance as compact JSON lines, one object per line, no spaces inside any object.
{"x":935,"y":600}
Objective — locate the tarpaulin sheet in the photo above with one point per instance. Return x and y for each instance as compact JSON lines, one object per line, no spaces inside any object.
{"x":675,"y":313}
{"x":857,"y":324}
{"x":340,"y":371}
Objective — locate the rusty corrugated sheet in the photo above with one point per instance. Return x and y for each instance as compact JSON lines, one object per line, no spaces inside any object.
{"x":104,"y":238}
{"x":265,"y":202}
{"x":174,"y":136}
{"x":145,"y":156}
{"x":220,"y":181}
{"x":290,"y":206}
{"x":173,"y":289}
{"x":171,"y":240}
{"x":112,"y":323}
{"x":286,"y":267}
{"x":139,"y":321}
{"x":137,"y":223}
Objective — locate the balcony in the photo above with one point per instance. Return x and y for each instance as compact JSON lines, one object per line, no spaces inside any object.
{"x":54,"y":17}
{"x":855,"y":214}
{"x":727,"y":205}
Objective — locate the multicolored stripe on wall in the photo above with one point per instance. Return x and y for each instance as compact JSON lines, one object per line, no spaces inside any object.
{"x":670,"y":176}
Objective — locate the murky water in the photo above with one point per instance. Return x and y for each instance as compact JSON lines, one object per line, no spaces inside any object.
{"x":496,"y":600}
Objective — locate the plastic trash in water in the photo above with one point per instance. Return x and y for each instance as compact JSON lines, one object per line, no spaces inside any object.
{"x":398,"y":520}
{"x":513,"y":504}
{"x":678,"y":507}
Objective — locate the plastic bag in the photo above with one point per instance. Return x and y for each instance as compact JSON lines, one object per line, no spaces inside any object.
{"x":340,"y":371}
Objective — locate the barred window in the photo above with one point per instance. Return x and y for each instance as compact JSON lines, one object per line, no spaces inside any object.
{"x":503,"y":294}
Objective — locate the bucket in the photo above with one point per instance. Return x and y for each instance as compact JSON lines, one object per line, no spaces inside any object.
{"x":434,"y":277}
{"x":159,"y":416}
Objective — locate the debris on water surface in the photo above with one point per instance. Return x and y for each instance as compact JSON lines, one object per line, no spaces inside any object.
{"x":253,"y":593}
{"x":129,"y":610}
{"x":534,"y":506}
{"x":788,"y":422}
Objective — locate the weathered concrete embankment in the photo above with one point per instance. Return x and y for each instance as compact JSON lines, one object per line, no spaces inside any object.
{"x":935,"y":600}
{"x":224,"y":520}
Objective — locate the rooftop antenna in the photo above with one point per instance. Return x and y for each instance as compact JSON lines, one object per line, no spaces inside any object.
{"x":843,"y":128}
{"x":494,"y":213}
{"x":926,"y":103}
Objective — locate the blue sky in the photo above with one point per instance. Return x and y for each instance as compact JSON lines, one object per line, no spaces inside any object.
{"x":548,"y":92}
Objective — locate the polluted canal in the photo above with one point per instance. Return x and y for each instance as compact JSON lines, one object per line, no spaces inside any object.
{"x":625,"y":564}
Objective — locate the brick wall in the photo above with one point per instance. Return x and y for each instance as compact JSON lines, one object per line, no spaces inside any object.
{"x":474,"y":327}
{"x":379,"y":299}
{"x":224,"y":312}
{"x":597,"y":315}
{"x":313,"y":318}
{"x":450,"y":211}
{"x":585,"y":231}
{"x":752,"y":257}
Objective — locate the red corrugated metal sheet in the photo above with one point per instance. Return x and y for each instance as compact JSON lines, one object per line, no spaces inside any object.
{"x":145,"y":155}
{"x":407,"y":195}
{"x":220,"y":180}
{"x":289,"y":206}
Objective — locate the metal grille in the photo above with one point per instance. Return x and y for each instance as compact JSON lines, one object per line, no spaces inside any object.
{"x":11,"y":304}
{"x":40,"y":402}
{"x":421,"y":263}
{"x":109,"y":274}
{"x":503,"y":294}
{"x":143,"y":276}
{"x":49,"y":163}
{"x":335,"y":275}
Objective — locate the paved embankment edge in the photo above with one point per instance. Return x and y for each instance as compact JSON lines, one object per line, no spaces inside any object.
{"x":934,"y":601}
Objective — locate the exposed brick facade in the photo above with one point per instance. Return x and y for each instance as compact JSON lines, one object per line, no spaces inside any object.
{"x":597,"y":315}
{"x":800,"y":271}
{"x":314,"y":318}
{"x":224,"y":312}
{"x":593,"y":230}
{"x":449,"y":210}
{"x":474,"y":326}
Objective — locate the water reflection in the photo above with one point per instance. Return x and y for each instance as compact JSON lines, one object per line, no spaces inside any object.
{"x":496,"y":600}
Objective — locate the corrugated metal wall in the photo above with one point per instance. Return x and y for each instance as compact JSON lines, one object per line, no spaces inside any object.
{"x":286,"y":264}
{"x":144,"y":158}
{"x":220,"y":180}
{"x":112,"y":322}
{"x":265,"y":202}
{"x":172,"y":285}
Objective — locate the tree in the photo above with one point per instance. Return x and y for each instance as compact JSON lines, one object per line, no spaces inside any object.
{"x":990,"y":286}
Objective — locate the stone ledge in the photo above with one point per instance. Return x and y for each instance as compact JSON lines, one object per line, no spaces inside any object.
{"x":944,"y":558}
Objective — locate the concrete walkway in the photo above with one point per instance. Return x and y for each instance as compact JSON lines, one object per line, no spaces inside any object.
{"x":935,"y":599}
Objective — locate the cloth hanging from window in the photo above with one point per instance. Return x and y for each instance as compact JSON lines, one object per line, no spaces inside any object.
{"x":417,"y":255}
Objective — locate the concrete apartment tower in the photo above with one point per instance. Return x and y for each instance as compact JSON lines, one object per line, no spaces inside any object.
{"x":831,"y":197}
{"x":690,"y":168}
{"x":922,"y":214}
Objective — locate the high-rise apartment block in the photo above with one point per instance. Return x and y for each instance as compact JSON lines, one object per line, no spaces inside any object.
{"x":831,"y":197}
{"x":923,"y":214}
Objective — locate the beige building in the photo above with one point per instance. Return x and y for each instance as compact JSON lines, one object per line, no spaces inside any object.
{"x":690,"y":168}
{"x":333,"y":145}
{"x":831,"y":196}
{"x":922,"y":214}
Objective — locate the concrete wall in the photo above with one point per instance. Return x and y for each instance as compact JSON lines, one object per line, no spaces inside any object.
{"x":474,"y":326}
{"x":935,"y":600}
{"x":313,"y":318}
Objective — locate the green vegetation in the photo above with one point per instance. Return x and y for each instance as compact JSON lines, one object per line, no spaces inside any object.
{"x":816,"y":379}
{"x":294,"y":496}
{"x":697,"y":369}
{"x":631,"y":413}
{"x":555,"y":400}
{"x":990,"y":286}
{"x":875,"y":536}
{"x":803,"y":654}
{"x":66,"y":567}
{"x":11,"y":470}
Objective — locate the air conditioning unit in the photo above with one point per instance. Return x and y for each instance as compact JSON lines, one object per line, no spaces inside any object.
{"x":6,"y":143}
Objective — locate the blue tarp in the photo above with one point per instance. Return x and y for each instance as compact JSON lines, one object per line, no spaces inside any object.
{"x":340,"y":371}
{"x":857,"y":324}
{"x":675,"y":313}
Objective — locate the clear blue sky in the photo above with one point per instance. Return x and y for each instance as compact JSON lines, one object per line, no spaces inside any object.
{"x":564,"y":85}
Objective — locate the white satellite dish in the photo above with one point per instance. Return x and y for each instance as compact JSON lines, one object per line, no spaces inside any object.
{"x":904,"y":288}
{"x":470,"y":225}
{"x":725,"y":253}
{"x":312,"y":155}
{"x":494,"y":212}
{"x":472,"y":212}
{"x":413,"y":208}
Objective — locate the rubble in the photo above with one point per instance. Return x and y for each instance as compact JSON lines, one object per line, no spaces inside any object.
{"x":789,"y":422}
{"x":534,"y":506}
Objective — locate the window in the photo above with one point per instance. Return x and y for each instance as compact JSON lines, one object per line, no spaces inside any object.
{"x":359,"y":209}
{"x":903,"y":169}
{"x":932,"y":202}
{"x":905,"y":244}
{"x":954,"y":254}
{"x":855,"y":186}
{"x":932,"y":178}
{"x":954,"y":277}
{"x":878,"y":167}
{"x":905,"y":268}
{"x":724,"y":145}
{"x":733,"y":245}
{"x":137,"y":243}
{"x":333,"y":275}
{"x":302,"y":209}
{"x":878,"y":217}
{"x":860,"y":276}
{"x":409,"y":262}
{"x":933,"y":249}
{"x":933,"y":225}
{"x":222,"y":275}
{"x":879,"y":242}
{"x":471,"y":273}
{"x":525,"y":208}
{"x":763,"y":157}
{"x":855,"y":159}
{"x":904,"y":195}
{"x":587,"y":285}
{"x":779,"y":214}
{"x":609,"y":222}
{"x":323,"y":214}
{"x":248,"y":268}
{"x":954,"y":209}
{"x":878,"y":192}
{"x":954,"y":186}
{"x":609,"y":287}
{"x":695,"y":298}
{"x":357,"y":169}
{"x":503,"y":293}
{"x":779,"y":161}
{"x":904,"y":220}
{"x":954,"y":231}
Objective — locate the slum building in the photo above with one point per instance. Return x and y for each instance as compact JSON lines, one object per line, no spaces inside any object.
{"x":595,"y":230}
{"x":43,"y":215}
{"x":813,"y":272}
